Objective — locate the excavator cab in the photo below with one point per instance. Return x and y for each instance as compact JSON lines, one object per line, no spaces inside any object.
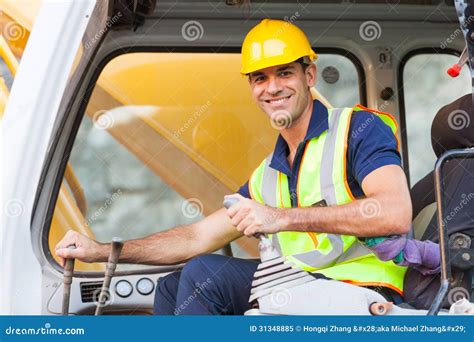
{"x":132,"y":118}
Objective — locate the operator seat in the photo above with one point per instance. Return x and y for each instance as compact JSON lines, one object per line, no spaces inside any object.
{"x":452,"y":128}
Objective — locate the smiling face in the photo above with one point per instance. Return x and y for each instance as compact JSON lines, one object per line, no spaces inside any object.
{"x":283,"y":90}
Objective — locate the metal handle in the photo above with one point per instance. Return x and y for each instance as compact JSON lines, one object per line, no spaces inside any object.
{"x":265,"y":246}
{"x":116,"y":249}
{"x":67,"y":281}
{"x":442,"y":229}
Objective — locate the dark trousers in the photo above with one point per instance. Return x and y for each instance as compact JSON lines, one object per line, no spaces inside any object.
{"x":217,"y":285}
{"x":207,"y":285}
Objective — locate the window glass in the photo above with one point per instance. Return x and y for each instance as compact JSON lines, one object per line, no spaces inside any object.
{"x":338,"y":80}
{"x":427,"y":87}
{"x":165,"y":137}
{"x":6,"y":74}
{"x":6,"y":81}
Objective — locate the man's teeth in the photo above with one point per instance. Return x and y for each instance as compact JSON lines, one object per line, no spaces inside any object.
{"x":279,"y":100}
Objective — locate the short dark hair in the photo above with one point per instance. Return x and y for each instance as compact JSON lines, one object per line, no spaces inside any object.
{"x":303,"y":62}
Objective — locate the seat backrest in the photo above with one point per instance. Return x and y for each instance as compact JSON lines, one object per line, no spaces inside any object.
{"x":452,"y":128}
{"x":459,"y":202}
{"x":422,"y":220}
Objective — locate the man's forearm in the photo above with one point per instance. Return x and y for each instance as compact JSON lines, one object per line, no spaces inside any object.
{"x":364,"y":218}
{"x":169,"y":247}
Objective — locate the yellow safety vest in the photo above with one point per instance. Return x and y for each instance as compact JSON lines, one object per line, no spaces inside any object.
{"x":322,"y":175}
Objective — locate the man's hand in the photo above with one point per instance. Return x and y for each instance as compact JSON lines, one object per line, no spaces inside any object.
{"x":86,"y":250}
{"x":250,"y":217}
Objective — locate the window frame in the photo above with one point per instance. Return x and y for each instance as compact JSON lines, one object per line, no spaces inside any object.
{"x":59,"y":136}
{"x":401,"y":98}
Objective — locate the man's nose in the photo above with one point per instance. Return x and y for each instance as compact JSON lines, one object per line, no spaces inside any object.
{"x":274,"y":86}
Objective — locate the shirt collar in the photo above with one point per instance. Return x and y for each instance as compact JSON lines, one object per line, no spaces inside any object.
{"x":317,"y":125}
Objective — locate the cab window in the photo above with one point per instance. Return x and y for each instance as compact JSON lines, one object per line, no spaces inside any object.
{"x":338,"y":80}
{"x":5,"y":74}
{"x":425,"y":74}
{"x":6,"y":80}
{"x":165,"y":136}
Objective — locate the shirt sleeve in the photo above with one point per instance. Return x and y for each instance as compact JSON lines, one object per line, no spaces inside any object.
{"x":371,"y":145}
{"x":244,"y":190}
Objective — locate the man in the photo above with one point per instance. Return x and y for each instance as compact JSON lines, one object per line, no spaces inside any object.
{"x":321,"y":156}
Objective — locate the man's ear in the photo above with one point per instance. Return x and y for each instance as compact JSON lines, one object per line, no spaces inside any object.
{"x":311,"y":75}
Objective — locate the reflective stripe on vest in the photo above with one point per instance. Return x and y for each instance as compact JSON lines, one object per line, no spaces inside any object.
{"x":322,"y":175}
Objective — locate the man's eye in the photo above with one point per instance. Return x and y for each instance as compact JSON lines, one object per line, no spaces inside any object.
{"x":258,"y":79}
{"x":285,"y":73}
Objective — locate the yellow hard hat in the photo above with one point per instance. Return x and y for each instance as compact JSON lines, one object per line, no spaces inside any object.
{"x":274,"y":42}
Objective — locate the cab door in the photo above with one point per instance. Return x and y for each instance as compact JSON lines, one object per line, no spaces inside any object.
{"x":51,"y":67}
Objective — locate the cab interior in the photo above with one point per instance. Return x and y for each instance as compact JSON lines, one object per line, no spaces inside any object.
{"x":157,"y":124}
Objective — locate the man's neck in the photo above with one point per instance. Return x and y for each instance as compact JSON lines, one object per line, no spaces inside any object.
{"x":296,"y":133}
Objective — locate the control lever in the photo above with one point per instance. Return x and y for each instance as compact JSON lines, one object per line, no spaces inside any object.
{"x":274,"y":272}
{"x":116,"y":249}
{"x":67,"y":281}
{"x":265,"y":246}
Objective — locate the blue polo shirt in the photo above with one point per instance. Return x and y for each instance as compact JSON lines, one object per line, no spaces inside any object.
{"x":371,"y":145}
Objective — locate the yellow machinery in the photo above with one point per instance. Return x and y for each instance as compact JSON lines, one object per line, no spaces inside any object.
{"x":188,"y":149}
